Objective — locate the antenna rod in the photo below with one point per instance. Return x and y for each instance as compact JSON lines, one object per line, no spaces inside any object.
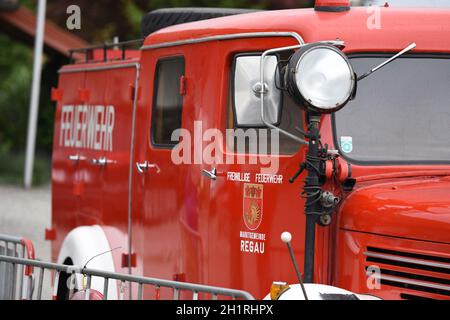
{"x":286,"y":238}
{"x":408,"y":48}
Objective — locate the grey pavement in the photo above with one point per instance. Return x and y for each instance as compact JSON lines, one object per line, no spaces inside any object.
{"x":27,"y":213}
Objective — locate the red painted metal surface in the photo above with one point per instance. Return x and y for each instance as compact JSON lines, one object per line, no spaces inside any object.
{"x":397,"y":207}
{"x":184,"y":223}
{"x":50,"y":234}
{"x":29,"y":254}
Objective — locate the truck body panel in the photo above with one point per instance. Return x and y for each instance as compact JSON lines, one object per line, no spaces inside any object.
{"x":184,"y":226}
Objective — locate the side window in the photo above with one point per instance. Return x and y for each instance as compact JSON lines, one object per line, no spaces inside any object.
{"x":289,"y":117}
{"x":167,"y":101}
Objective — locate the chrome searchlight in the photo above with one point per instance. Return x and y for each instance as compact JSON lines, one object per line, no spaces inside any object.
{"x":320,"y":78}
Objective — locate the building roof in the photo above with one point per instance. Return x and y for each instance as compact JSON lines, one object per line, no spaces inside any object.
{"x":21,"y":24}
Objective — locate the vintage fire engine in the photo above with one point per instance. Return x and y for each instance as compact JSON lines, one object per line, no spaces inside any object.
{"x":362,"y":192}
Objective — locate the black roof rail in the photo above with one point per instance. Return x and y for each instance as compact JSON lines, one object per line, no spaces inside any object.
{"x":87,"y":51}
{"x":162,"y":18}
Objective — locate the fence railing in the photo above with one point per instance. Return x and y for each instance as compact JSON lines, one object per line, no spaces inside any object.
{"x":13,"y":274}
{"x":123,"y":279}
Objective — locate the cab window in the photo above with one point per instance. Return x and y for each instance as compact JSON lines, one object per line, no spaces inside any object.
{"x":167,"y":101}
{"x":400,"y":114}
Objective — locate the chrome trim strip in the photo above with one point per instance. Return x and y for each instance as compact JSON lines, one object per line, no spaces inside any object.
{"x":131,"y":168}
{"x":407,"y":260}
{"x":414,"y":282}
{"x":223,"y":38}
{"x":100,"y":68}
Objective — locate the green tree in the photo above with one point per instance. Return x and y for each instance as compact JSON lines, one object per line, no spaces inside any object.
{"x":16,"y":73}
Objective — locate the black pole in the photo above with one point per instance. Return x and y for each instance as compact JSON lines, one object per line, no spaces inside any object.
{"x":312,"y":191}
{"x":297,"y":271}
{"x":310,"y":240}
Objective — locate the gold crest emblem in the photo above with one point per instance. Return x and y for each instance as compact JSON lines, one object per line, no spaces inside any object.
{"x":253,"y":205}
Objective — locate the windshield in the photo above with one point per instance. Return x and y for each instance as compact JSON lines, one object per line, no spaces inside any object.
{"x":401,"y":113}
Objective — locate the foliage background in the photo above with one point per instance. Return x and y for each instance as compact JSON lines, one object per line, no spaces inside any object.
{"x":101,"y":21}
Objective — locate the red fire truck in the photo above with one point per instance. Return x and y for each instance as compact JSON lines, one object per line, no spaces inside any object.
{"x":144,"y":168}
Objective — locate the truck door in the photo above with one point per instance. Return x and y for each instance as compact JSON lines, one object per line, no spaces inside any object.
{"x":250,"y":208}
{"x":156,"y":179}
{"x":91,"y":170}
{"x":66,"y":160}
{"x":119,"y":99}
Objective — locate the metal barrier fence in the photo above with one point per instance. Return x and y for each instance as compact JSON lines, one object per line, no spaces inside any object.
{"x":123,"y":279}
{"x":15,"y":247}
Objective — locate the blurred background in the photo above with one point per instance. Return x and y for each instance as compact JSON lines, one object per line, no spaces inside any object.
{"x":101,"y":21}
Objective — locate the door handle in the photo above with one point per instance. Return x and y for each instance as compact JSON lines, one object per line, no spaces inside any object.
{"x":210,"y":174}
{"x":76,"y":158}
{"x":102,"y":161}
{"x":145,"y":166}
{"x":99,"y":162}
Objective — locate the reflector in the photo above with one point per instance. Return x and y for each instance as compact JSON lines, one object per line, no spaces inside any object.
{"x":320,"y":78}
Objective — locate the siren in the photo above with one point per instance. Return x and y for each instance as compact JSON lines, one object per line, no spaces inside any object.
{"x":332,"y":5}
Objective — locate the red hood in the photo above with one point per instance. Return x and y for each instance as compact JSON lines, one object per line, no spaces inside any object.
{"x":416,"y":208}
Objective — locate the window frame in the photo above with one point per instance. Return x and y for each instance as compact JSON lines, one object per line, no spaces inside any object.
{"x":350,"y":160}
{"x":154,"y":101}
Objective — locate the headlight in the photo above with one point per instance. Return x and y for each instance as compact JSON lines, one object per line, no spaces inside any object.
{"x":320,"y":78}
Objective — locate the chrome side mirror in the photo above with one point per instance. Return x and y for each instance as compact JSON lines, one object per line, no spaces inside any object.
{"x":247,"y":91}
